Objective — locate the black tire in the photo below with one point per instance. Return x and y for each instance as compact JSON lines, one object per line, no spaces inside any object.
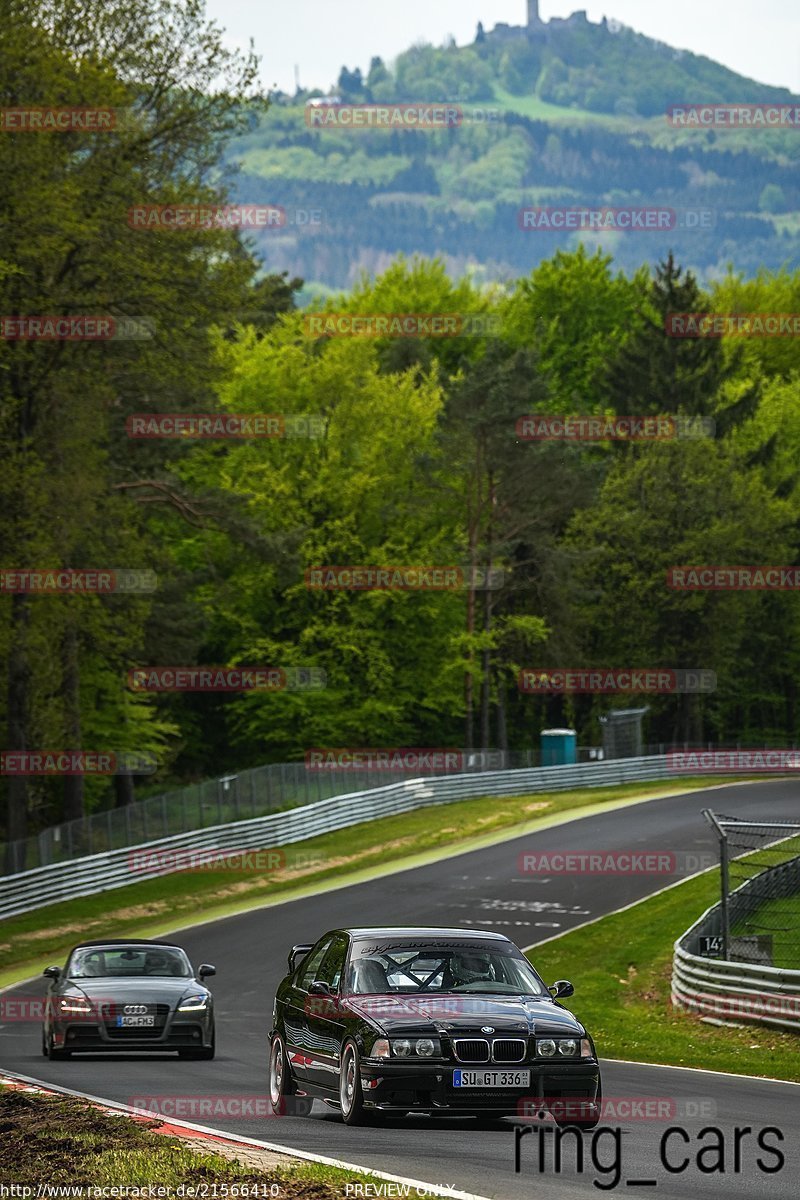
{"x":351,"y":1098}
{"x":51,"y":1053}
{"x":44,"y":1044}
{"x":593,"y":1110}
{"x":283,"y":1098}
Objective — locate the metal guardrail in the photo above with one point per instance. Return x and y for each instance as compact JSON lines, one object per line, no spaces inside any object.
{"x":730,"y":993}
{"x":252,"y":792}
{"x":96,"y":873}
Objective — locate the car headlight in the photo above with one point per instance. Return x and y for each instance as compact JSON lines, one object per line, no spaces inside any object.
{"x":564,"y":1047}
{"x":74,"y":1005}
{"x":426,"y":1047}
{"x":193,"y":1003}
{"x":380,"y":1049}
{"x":420,"y":1047}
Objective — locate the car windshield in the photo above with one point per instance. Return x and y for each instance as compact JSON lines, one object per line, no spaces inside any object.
{"x":408,"y":967}
{"x":104,"y":962}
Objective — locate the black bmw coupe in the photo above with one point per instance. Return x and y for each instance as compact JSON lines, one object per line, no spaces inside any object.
{"x":128,"y":994}
{"x":394,"y":1021}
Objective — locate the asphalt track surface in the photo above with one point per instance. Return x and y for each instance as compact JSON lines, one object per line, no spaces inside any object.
{"x":485,"y":889}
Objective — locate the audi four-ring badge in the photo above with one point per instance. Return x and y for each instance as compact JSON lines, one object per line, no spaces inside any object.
{"x":452,"y":1021}
{"x":128,"y":994}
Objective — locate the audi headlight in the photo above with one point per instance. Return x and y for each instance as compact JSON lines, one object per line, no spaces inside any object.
{"x":546,"y":1048}
{"x":193,"y":1003}
{"x":74,"y":1005}
{"x":568,"y":1047}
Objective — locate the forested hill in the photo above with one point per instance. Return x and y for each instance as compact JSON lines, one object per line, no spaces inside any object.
{"x":603,"y":68}
{"x":571,"y":114}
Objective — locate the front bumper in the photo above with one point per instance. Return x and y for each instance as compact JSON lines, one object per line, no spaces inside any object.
{"x":174,"y":1035}
{"x":408,"y":1087}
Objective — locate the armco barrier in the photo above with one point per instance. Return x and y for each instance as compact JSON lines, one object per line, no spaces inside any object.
{"x":732,"y":993}
{"x":101,"y":872}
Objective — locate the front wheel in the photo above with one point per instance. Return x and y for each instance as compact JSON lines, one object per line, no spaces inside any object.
{"x":351,"y":1098}
{"x":50,"y":1051}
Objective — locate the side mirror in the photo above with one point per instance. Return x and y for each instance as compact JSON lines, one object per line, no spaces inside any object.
{"x":319,"y":988}
{"x":205,"y":969}
{"x":52,"y":972}
{"x":562,"y":987}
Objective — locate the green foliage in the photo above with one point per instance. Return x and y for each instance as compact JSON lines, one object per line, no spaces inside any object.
{"x":579,"y":316}
{"x":416,"y":460}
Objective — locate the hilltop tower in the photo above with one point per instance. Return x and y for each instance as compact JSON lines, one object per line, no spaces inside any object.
{"x":534,"y":20}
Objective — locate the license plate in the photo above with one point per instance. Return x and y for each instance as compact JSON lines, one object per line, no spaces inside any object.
{"x":135,"y":1022}
{"x":491,"y":1079}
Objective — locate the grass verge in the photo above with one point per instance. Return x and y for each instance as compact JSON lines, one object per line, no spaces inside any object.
{"x":155,"y":906}
{"x":622,"y":966}
{"x":50,"y":1140}
{"x":779,"y":919}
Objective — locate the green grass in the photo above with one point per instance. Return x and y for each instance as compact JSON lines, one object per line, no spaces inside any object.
{"x":781,"y":919}
{"x":621,"y":966}
{"x":156,"y":906}
{"x":541,"y":110}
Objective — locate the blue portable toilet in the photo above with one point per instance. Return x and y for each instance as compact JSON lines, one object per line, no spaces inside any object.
{"x":559,"y":747}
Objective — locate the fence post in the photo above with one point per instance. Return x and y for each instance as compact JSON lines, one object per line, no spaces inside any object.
{"x":723,"y":883}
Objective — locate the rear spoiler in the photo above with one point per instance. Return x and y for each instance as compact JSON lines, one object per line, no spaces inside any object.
{"x":298,"y":952}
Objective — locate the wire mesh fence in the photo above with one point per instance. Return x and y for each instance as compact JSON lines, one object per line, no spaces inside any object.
{"x":236,"y":797}
{"x":759,"y":892}
{"x":254,"y":792}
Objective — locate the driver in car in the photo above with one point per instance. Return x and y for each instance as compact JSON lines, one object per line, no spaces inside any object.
{"x":470,"y":968}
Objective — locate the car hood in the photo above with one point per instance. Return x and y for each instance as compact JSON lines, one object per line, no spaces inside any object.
{"x":166,"y":990}
{"x":397,"y":1014}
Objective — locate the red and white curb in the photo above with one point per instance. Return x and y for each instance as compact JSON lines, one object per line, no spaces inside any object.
{"x":186,"y":1129}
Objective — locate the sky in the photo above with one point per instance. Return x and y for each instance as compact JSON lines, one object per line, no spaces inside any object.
{"x":757,"y":38}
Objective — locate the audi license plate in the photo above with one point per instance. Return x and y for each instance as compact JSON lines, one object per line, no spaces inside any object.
{"x":491,"y":1079}
{"x":137,"y":1022}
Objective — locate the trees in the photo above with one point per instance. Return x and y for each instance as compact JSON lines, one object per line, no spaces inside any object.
{"x":655,"y":373}
{"x":69,"y":477}
{"x":579,"y":316}
{"x":679,"y":504}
